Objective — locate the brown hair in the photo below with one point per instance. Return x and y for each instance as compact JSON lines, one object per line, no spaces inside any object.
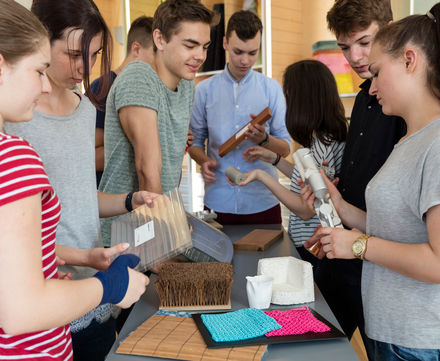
{"x":171,"y":13}
{"x":245,"y":24}
{"x":141,"y":30}
{"x":58,"y":16}
{"x":422,"y":31}
{"x":347,"y":16}
{"x":21,"y":33}
{"x":314,"y":108}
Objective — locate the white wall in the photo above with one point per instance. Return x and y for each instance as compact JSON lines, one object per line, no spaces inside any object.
{"x":26,"y":3}
{"x":422,"y":6}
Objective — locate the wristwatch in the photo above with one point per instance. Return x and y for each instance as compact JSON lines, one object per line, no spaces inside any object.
{"x":359,"y":246}
{"x":265,"y":141}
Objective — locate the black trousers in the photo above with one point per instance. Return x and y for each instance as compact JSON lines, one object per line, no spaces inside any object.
{"x":340,"y":283}
{"x":94,"y":342}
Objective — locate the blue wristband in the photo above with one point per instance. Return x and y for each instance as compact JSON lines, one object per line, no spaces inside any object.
{"x":115,"y":278}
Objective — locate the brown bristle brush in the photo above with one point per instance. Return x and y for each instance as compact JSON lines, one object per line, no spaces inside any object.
{"x":195,"y":286}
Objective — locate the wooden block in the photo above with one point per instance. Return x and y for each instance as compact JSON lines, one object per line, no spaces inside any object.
{"x":214,"y":223}
{"x":259,"y":239}
{"x":238,"y":137}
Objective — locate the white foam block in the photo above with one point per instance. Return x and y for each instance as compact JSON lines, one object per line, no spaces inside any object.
{"x":293,"y":279}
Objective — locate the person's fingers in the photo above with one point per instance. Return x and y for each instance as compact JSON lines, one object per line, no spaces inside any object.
{"x":60,"y":261}
{"x":115,"y":250}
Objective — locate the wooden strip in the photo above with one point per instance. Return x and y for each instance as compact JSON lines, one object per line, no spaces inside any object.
{"x":258,"y":239}
{"x":238,"y":137}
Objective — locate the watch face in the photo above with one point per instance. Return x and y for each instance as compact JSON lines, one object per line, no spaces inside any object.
{"x":357,"y":248}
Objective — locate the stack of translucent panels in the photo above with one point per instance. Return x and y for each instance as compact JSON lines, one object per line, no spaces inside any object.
{"x":154,"y":234}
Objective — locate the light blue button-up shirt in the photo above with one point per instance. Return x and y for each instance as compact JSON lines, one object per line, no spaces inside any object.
{"x":222,"y":106}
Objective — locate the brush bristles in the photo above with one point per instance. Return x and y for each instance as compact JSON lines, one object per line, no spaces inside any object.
{"x":194,"y":284}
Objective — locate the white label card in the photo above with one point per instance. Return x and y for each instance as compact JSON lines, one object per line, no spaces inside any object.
{"x":241,"y":132}
{"x":144,"y":233}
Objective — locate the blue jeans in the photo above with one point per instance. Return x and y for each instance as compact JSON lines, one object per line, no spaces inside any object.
{"x":388,"y":352}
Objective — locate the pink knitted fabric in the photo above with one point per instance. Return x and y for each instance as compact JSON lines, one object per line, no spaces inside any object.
{"x":296,"y":322}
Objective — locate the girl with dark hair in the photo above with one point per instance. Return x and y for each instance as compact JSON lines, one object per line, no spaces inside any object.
{"x":36,"y":301}
{"x":398,"y":237}
{"x":63,"y":133}
{"x":315,"y":119}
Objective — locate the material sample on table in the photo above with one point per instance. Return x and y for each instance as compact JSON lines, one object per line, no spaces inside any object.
{"x":259,"y":239}
{"x":155,"y":233}
{"x":178,"y":338}
{"x":296,"y":321}
{"x":263,"y":340}
{"x":239,"y":325}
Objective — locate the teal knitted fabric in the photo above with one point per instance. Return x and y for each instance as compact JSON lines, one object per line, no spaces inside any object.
{"x":239,"y":325}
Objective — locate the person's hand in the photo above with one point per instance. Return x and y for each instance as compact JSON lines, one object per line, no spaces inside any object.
{"x":337,"y":242}
{"x":307,"y":195}
{"x":101,"y":258}
{"x":250,"y":177}
{"x":255,"y":133}
{"x":143,"y":197}
{"x":256,"y":152}
{"x":207,"y":170}
{"x":189,"y":139}
{"x":333,"y":192}
{"x":137,"y":285}
{"x":63,"y":275}
{"x":121,"y":284}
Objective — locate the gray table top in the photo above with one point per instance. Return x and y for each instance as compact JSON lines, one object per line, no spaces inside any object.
{"x":245,"y":264}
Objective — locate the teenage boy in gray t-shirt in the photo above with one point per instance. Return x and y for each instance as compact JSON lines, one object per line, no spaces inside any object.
{"x":149,"y":106}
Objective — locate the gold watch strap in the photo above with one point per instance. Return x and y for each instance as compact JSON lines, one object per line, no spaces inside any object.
{"x":364,"y":238}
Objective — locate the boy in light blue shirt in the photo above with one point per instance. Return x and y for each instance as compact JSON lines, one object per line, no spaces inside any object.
{"x":223,"y":105}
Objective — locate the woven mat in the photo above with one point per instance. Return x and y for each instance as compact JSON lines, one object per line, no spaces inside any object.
{"x":179,"y":338}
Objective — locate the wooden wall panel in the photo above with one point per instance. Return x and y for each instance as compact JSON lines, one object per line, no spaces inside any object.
{"x":111,"y":11}
{"x":287,"y":34}
{"x":142,"y":7}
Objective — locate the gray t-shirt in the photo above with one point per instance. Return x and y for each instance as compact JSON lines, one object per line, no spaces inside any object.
{"x":398,"y":309}
{"x":66,"y":145}
{"x":139,"y":85}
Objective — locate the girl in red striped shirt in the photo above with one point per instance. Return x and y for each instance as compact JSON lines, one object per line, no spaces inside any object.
{"x":36,"y":306}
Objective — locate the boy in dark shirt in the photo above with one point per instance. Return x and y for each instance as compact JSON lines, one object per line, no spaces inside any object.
{"x":371,"y":138}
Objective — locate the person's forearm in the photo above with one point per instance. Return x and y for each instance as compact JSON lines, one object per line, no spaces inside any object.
{"x":417,"y":261}
{"x":55,"y":302}
{"x":150,"y":181}
{"x":149,"y":169}
{"x":111,"y":204}
{"x":279,"y":146}
{"x":352,"y":216}
{"x":291,"y":200}
{"x":99,"y":159}
{"x":285,"y":167}
{"x":72,"y":256}
{"x":198,"y":154}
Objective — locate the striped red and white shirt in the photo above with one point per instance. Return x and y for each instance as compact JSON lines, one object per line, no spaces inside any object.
{"x":22,"y":175}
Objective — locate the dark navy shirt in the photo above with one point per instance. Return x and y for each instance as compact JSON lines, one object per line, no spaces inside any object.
{"x":95,"y":87}
{"x":371,"y":138}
